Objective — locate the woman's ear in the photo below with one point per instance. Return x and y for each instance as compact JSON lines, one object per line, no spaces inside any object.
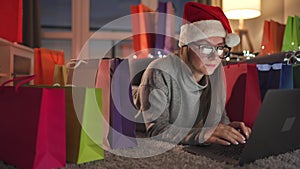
{"x":184,"y":50}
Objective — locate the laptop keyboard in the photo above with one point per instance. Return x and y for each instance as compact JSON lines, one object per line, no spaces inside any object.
{"x":233,"y":151}
{"x":216,"y":151}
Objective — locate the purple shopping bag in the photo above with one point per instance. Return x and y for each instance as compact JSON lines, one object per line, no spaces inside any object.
{"x":161,"y":26}
{"x":122,"y":133}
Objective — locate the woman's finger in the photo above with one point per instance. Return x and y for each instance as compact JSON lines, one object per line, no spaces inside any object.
{"x":242,"y":127}
{"x":217,"y":140}
{"x":227,"y":133}
{"x":236,"y":134}
{"x":249,"y":131}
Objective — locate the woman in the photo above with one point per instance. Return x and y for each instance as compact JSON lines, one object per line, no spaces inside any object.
{"x":182,"y":97}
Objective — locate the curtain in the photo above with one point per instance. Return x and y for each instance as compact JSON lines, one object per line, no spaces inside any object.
{"x":31,"y":23}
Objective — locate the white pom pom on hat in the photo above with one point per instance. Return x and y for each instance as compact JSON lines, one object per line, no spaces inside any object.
{"x":203,"y":21}
{"x":232,"y":40}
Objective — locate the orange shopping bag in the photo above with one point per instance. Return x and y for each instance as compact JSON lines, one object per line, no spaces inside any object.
{"x":44,"y":62}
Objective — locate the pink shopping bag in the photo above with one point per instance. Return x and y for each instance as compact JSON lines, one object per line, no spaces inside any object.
{"x":32,"y":126}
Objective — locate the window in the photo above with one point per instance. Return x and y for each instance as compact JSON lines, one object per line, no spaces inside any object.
{"x":101,"y":13}
{"x":68,"y":24}
{"x":55,"y":15}
{"x":56,"y":25}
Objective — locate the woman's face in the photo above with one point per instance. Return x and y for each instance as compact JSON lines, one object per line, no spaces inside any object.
{"x":204,"y":57}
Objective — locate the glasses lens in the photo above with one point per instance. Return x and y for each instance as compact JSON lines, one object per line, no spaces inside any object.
{"x":205,"y":50}
{"x":220,"y":50}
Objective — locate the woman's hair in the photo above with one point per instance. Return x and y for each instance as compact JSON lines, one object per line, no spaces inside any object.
{"x":205,"y":98}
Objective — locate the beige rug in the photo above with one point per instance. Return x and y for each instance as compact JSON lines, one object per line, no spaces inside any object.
{"x":178,"y":158}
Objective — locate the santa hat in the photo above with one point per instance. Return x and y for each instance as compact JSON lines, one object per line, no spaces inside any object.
{"x":203,"y":21}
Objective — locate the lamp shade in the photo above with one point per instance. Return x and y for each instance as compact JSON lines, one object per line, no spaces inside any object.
{"x":241,"y":9}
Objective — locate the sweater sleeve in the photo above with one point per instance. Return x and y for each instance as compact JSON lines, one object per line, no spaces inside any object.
{"x":225,"y":119}
{"x":153,"y":100}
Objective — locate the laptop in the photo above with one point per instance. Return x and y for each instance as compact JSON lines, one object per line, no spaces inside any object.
{"x":275,"y":131}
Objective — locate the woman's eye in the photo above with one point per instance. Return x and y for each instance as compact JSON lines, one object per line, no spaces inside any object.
{"x":206,"y":50}
{"x":220,"y":51}
{"x":220,"y":47}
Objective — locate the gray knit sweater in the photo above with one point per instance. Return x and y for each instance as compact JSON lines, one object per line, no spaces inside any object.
{"x":169,"y":100}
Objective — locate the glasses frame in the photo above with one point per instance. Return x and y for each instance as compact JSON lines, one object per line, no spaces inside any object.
{"x":215,"y":48}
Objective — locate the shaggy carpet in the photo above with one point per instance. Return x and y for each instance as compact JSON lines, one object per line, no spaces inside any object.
{"x":175,"y":158}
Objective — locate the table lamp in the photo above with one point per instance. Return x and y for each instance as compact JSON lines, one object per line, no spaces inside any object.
{"x":240,"y":10}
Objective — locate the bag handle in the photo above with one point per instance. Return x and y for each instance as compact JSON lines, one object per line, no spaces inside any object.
{"x":292,"y":57}
{"x":68,"y":65}
{"x":67,"y":85}
{"x":23,"y":80}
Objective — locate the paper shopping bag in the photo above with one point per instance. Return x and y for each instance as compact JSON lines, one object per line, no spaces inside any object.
{"x":296,"y":33}
{"x":103,"y":82}
{"x":272,"y":37}
{"x":160,"y":27}
{"x":11,"y":20}
{"x":170,"y":41}
{"x":83,"y":73}
{"x":296,"y":75}
{"x":291,"y":38}
{"x":274,"y":76}
{"x":60,"y":75}
{"x":243,"y":93}
{"x":84,"y":124}
{"x":143,"y":29}
{"x":33,"y":127}
{"x":286,"y":77}
{"x":44,"y":62}
{"x":122,"y":133}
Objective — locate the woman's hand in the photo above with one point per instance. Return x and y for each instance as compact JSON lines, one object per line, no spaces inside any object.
{"x":242,"y":127}
{"x":229,"y":134}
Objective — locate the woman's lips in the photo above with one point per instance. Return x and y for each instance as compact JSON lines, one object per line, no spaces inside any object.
{"x":210,"y":65}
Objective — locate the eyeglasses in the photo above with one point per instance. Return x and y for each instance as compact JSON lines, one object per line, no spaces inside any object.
{"x":206,"y":50}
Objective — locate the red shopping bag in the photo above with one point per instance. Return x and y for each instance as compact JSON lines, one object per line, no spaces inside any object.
{"x":32,"y":127}
{"x":243,"y":93}
{"x":44,"y":62}
{"x":143,"y":29}
{"x":272,"y":37}
{"x":11,"y":19}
